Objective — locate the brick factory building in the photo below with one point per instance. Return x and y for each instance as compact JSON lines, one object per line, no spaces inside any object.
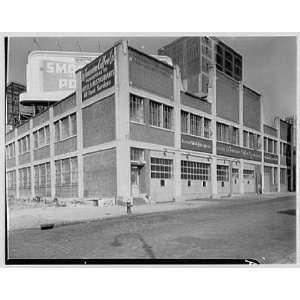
{"x":141,"y":129}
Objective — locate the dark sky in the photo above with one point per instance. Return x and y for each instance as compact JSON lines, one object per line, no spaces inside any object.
{"x":269,"y":62}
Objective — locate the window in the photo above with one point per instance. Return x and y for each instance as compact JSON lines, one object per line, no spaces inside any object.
{"x":35,"y":140}
{"x":73,"y":124}
{"x":245,"y":138}
{"x":207,"y":128}
{"x":222,"y":133}
{"x":161,"y":115}
{"x":47,"y":135}
{"x":167,"y":117}
{"x":136,"y":109}
{"x":66,"y":172}
{"x":235,"y":136}
{"x":251,"y":140}
{"x":24,"y":178}
{"x":41,"y":137}
{"x":161,"y":168}
{"x":184,"y":121}
{"x":24,"y":144}
{"x":222,"y":173}
{"x":136,"y":154}
{"x":248,"y":174}
{"x":42,"y":180}
{"x":10,"y":151}
{"x":192,"y":170}
{"x":275,"y":147}
{"x":270,"y":146}
{"x":11,"y":180}
{"x":265,"y":144}
{"x":65,"y":128}
{"x":282,"y":176}
{"x":196,"y":125}
{"x":155,"y":114}
{"x":57,"y":131}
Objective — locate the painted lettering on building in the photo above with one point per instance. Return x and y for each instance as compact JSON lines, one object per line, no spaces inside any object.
{"x":193,"y":143}
{"x":271,"y":158}
{"x":99,"y":75}
{"x":238,"y":152}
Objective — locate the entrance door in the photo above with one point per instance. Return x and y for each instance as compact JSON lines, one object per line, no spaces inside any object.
{"x":135,"y":181}
{"x":235,"y":181}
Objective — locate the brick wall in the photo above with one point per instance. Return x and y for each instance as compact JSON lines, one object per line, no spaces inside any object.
{"x":98,"y":122}
{"x":99,"y":174}
{"x":251,"y":106}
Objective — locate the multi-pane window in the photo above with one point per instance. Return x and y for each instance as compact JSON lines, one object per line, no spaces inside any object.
{"x":42,"y":179}
{"x":245,"y":138}
{"x":73,"y":121}
{"x":161,"y":168}
{"x":222,"y":133}
{"x":207,"y":126}
{"x":10,"y":151}
{"x":11,"y":180}
{"x":41,"y":137}
{"x":25,"y":178}
{"x":66,"y":172}
{"x":235,"y":136}
{"x":136,"y":154}
{"x":161,"y":115}
{"x":265,"y":144}
{"x":136,"y":109}
{"x":248,"y":174}
{"x":251,"y":140}
{"x":192,"y":170}
{"x":184,"y":121}
{"x":270,"y":146}
{"x":155,"y":113}
{"x":167,"y":117}
{"x":222,"y":173}
{"x":65,"y":127}
{"x":24,"y":144}
{"x":196,"y":125}
{"x":283,"y":176}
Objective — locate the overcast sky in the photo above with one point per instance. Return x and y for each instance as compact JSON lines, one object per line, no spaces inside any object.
{"x":269,"y":62}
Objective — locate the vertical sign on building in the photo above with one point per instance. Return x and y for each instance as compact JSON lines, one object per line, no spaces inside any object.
{"x":98,"y":75}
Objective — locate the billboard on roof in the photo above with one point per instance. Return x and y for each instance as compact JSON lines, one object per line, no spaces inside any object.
{"x":51,"y":74}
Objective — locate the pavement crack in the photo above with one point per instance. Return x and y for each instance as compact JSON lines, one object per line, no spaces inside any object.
{"x":121,"y":238}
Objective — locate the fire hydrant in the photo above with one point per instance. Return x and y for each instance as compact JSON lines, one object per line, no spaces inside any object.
{"x":128,"y":207}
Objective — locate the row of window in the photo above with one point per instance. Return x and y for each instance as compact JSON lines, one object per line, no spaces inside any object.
{"x":227,"y":134}
{"x":195,"y":125}
{"x":41,"y":137}
{"x":10,"y":150}
{"x":160,"y":115}
{"x":65,"y":127}
{"x":251,"y":140}
{"x":192,"y":170}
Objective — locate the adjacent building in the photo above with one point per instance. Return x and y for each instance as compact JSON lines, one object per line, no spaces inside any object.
{"x":140,"y":129}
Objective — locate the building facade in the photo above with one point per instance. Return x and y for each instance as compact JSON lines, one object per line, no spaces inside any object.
{"x":132,"y":131}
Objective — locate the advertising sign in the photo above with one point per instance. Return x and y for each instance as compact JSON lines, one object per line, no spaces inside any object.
{"x":238,"y":152}
{"x":59,"y":74}
{"x":271,"y":158}
{"x":193,"y":143}
{"x":99,"y":75}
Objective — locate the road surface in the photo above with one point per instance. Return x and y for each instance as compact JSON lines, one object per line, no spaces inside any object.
{"x":264,"y":231}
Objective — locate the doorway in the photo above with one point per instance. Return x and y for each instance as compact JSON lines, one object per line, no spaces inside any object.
{"x":135,"y":181}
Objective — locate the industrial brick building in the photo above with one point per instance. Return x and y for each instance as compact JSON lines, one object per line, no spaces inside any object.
{"x":138,"y":128}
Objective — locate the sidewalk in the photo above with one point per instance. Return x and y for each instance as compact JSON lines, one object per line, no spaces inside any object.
{"x":35,"y":217}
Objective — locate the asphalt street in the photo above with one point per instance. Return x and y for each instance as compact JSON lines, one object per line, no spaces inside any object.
{"x":264,"y":231}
